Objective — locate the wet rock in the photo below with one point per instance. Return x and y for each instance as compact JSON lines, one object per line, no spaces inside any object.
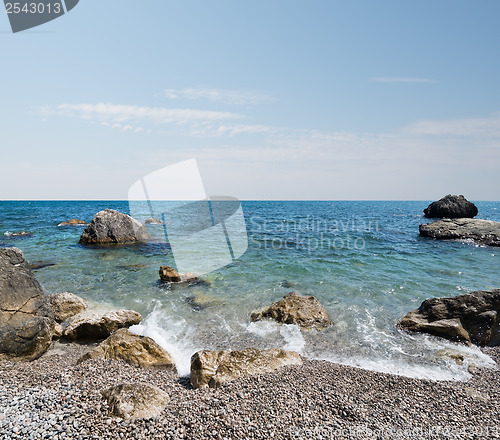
{"x":212,"y":368}
{"x":26,"y":321}
{"x":169,"y":275}
{"x":96,"y":324}
{"x":65,"y":305}
{"x":449,"y":353}
{"x":113,"y":227}
{"x":135,"y":401}
{"x":471,"y":318}
{"x":480,"y":231}
{"x":294,"y":308}
{"x":140,"y":351}
{"x":153,"y":221}
{"x":451,"y":207}
{"x":73,"y":222}
{"x":36,"y":265}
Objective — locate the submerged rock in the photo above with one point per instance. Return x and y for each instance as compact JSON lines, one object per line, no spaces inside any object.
{"x":135,"y":401}
{"x":451,"y":207}
{"x":140,"y":351}
{"x":96,"y":324}
{"x":471,"y":318}
{"x":36,"y":265}
{"x":26,"y":321}
{"x":480,"y":231}
{"x":19,"y":234}
{"x":65,"y":305}
{"x":213,"y":368}
{"x":73,"y":222}
{"x":153,"y":221}
{"x":169,"y":275}
{"x":113,"y":227}
{"x":294,"y":308}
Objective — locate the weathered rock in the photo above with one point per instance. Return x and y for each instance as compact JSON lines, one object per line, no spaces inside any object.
{"x":135,"y":401}
{"x":213,"y":368}
{"x":153,"y":221}
{"x":473,"y":317}
{"x":65,"y":305}
{"x":451,"y":207}
{"x":96,"y":324}
{"x":169,"y":275}
{"x":73,"y":222}
{"x":140,"y":351}
{"x":26,"y":321}
{"x":113,"y":227}
{"x":480,"y":231}
{"x":294,"y":308}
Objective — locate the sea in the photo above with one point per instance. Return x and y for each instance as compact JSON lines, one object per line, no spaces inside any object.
{"x":363,"y":260}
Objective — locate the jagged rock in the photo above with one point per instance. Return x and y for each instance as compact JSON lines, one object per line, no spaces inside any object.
{"x":65,"y":305}
{"x":451,"y":207}
{"x":113,"y":227}
{"x":169,"y":275}
{"x":26,"y":320}
{"x":140,"y":351}
{"x":212,"y":368}
{"x":153,"y":221}
{"x":96,"y":324}
{"x":73,"y":222}
{"x":473,"y":317}
{"x":135,"y":401}
{"x":480,"y":231}
{"x":294,"y":308}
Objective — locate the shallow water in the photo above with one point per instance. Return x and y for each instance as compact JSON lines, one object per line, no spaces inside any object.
{"x":364,"y":261}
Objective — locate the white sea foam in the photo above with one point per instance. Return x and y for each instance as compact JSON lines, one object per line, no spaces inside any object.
{"x":293,"y":337}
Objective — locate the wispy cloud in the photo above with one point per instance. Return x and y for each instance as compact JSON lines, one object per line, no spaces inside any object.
{"x":233,"y":97}
{"x":402,"y":79}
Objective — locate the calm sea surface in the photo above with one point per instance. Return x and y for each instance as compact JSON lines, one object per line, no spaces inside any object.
{"x":364,"y":261}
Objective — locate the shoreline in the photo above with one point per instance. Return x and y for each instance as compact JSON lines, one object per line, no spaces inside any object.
{"x":53,"y":397}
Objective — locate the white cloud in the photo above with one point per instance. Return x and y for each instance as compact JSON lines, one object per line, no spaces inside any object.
{"x":395,"y":79}
{"x":233,"y":97}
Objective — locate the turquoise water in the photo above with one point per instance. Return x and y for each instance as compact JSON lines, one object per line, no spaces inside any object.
{"x":364,"y":261}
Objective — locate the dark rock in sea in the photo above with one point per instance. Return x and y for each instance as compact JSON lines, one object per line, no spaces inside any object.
{"x":73,"y":222}
{"x":140,"y":351}
{"x":135,"y":401}
{"x":65,"y":305}
{"x":213,"y":368}
{"x":97,"y":324}
{"x":169,"y":275}
{"x":35,"y":265}
{"x":26,"y":320}
{"x":113,"y":227}
{"x":21,"y":234}
{"x":451,"y":207}
{"x":153,"y":221}
{"x":471,"y":318}
{"x":288,"y":284}
{"x":294,"y":308}
{"x":480,"y":231}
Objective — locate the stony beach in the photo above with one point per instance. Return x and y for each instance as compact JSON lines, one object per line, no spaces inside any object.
{"x":53,"y":397}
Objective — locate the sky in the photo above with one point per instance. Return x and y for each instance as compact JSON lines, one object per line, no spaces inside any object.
{"x":275,"y":99}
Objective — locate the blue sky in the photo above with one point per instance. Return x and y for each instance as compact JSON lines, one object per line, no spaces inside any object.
{"x":275,"y":99}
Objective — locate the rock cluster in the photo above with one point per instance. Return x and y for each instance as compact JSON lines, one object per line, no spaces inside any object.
{"x":451,"y":207}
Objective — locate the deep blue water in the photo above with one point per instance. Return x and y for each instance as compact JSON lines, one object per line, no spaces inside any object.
{"x":364,"y":261}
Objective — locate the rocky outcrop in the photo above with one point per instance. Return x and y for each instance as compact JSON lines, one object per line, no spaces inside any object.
{"x":73,"y":222}
{"x":135,"y":401}
{"x":213,"y":368}
{"x":304,"y":311}
{"x":97,"y":324}
{"x":153,"y":221}
{"x":113,"y":227}
{"x":451,"y":207}
{"x":480,"y":231}
{"x":65,"y":305}
{"x":169,"y":275}
{"x":471,"y":318}
{"x":140,"y":351}
{"x":26,"y":321}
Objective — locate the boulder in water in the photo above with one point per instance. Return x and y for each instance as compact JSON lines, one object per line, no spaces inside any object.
{"x":451,"y":207}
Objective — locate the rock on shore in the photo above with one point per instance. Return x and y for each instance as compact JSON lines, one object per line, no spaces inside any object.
{"x":451,"y":207}
{"x":26,"y":320}
{"x":113,"y":227}
{"x":213,"y":368}
{"x":480,"y":231}
{"x":65,"y":305}
{"x":294,"y":308}
{"x":472,"y":318}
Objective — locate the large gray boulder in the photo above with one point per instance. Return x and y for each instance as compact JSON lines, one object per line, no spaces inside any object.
{"x":294,"y":308}
{"x":113,"y":227}
{"x":480,"y":231}
{"x":471,"y":318}
{"x":26,"y":320}
{"x":213,"y":368}
{"x":451,"y":207}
